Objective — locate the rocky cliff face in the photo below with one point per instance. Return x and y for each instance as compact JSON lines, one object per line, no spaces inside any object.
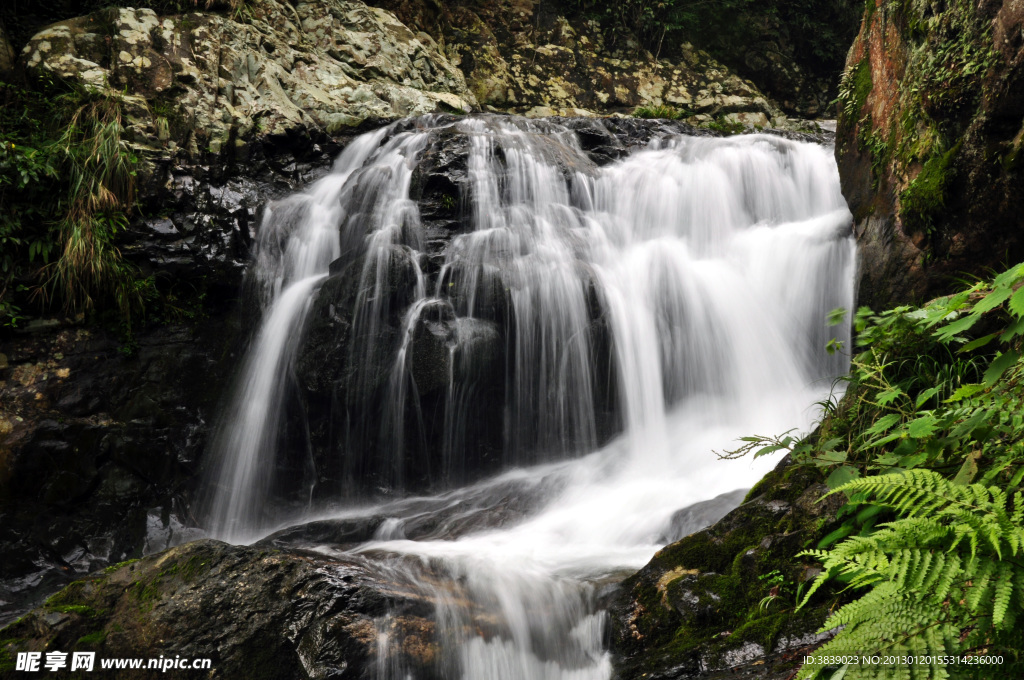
{"x":929,"y":143}
{"x":531,"y":58}
{"x":207,"y":84}
{"x":102,"y":431}
{"x":210,"y":83}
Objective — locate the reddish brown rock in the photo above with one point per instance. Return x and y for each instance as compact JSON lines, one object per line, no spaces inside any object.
{"x":929,"y":141}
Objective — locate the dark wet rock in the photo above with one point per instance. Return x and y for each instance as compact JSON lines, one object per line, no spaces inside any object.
{"x":440,"y":186}
{"x":102,"y":434}
{"x":433,"y":338}
{"x":336,"y":346}
{"x":94,"y":438}
{"x":701,"y":515}
{"x":446,"y":516}
{"x":720,"y":602}
{"x":256,"y":613}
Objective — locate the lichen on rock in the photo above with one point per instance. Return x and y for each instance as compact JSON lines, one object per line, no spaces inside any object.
{"x":208,"y":82}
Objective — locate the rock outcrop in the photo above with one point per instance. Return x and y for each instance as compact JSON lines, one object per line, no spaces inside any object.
{"x":210,"y":83}
{"x":521,"y":57}
{"x":930,"y":144}
{"x":254,"y":613}
{"x":207,"y":84}
{"x":102,"y":429}
{"x":720,"y":603}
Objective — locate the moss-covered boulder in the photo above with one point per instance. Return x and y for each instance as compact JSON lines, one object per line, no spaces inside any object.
{"x":722,"y":602}
{"x":929,"y":144}
{"x":254,"y":613}
{"x":211,"y":82}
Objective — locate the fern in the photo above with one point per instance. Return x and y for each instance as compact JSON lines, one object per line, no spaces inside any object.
{"x":944,"y":578}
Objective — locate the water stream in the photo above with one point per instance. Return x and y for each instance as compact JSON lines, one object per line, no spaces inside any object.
{"x":675,"y":298}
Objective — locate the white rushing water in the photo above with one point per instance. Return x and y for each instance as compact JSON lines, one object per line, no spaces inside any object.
{"x":710,"y":264}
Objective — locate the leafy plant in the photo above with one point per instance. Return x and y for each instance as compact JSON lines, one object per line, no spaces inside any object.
{"x":662,"y":111}
{"x":726,"y":126}
{"x":854,"y":88}
{"x":99,"y":171}
{"x":945,"y":578}
{"x":67,"y":186}
{"x":936,"y":387}
{"x":775,"y":581}
{"x":928,"y":446}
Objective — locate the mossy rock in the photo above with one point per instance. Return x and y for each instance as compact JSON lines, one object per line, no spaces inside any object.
{"x":922,"y":202}
{"x":726,"y":597}
{"x":930,"y":168}
{"x":255,"y":613}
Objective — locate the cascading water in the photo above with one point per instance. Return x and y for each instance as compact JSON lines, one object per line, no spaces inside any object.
{"x":677,"y":296}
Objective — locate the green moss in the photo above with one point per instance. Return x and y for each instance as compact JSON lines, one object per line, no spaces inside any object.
{"x":660,"y":112}
{"x":72,"y":594}
{"x":114,"y":567}
{"x":147,"y":593}
{"x":80,"y":609}
{"x":854,"y":89}
{"x":725,"y":126}
{"x":878,"y":147}
{"x":924,"y":199}
{"x":787,"y":483}
{"x":862,"y":83}
{"x":92,"y":640}
{"x":7,"y":653}
{"x":194,"y":568}
{"x":763,"y":631}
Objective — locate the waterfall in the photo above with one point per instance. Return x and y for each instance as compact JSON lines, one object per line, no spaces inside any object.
{"x":602,"y":328}
{"x":298,"y":240}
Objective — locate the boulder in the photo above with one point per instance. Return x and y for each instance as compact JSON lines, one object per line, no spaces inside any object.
{"x":255,"y":613}
{"x":209,"y":83}
{"x":701,"y":515}
{"x":720,"y":603}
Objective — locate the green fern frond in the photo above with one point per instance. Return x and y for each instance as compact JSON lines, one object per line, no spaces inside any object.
{"x":1003,"y":594}
{"x":943,"y":577}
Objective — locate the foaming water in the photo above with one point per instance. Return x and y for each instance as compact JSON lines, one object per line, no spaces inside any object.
{"x":680,"y":292}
